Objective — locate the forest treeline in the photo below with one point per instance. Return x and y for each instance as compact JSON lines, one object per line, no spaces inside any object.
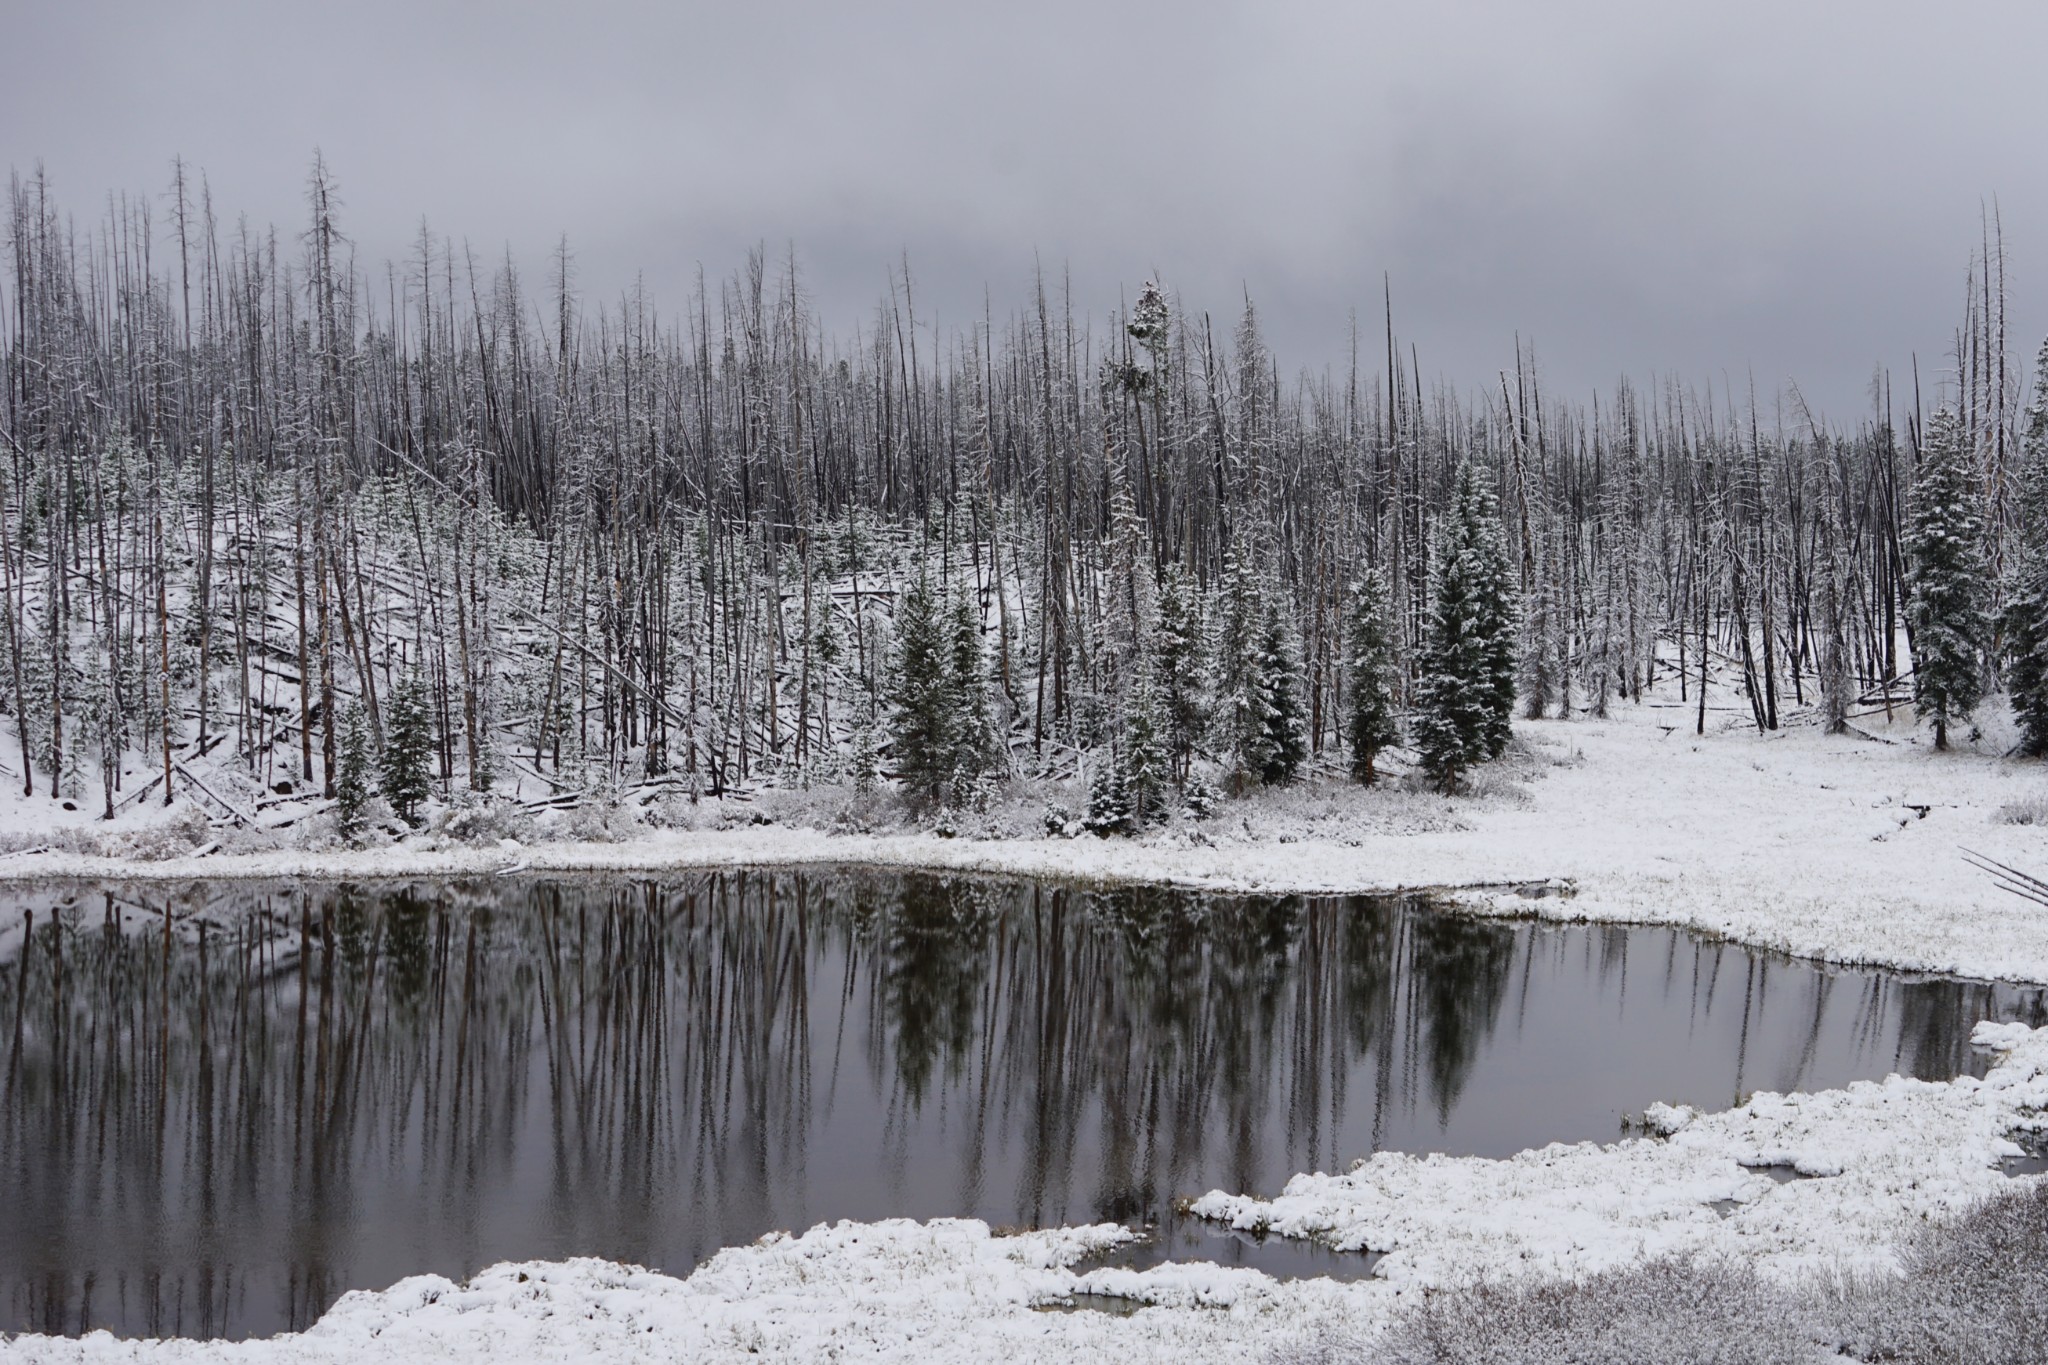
{"x":257,"y":491}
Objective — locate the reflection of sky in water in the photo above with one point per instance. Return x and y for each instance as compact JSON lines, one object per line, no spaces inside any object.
{"x":649,"y":1072}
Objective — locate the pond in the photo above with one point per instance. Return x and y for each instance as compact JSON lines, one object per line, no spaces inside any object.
{"x":223,"y":1106}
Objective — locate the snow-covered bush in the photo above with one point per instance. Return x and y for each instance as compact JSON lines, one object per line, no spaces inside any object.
{"x":675,"y":810}
{"x":1974,"y":1292}
{"x":599,"y":820}
{"x":2033,"y":811}
{"x":61,"y":839}
{"x":483,"y":820}
{"x":1499,"y":787}
{"x":185,"y":830}
{"x":869,"y":812}
{"x":1320,"y":1346}
{"x":1680,"y":1311}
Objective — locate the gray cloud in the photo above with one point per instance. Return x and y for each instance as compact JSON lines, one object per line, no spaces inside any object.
{"x":1706,"y":190}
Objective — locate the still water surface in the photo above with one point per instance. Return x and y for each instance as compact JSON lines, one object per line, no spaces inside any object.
{"x":332,"y":1087}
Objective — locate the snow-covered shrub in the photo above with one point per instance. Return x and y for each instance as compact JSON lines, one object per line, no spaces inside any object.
{"x":817,"y":807}
{"x":1319,"y":1345}
{"x":185,"y":830}
{"x":1974,"y":1292}
{"x":1497,"y":786}
{"x":1681,"y":1311}
{"x":483,"y":820}
{"x":62,"y":838}
{"x":237,"y":840}
{"x":599,"y":820}
{"x":868,"y":812}
{"x":675,"y":810}
{"x":2033,"y":811}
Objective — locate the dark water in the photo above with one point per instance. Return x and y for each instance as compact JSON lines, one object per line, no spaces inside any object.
{"x":336,"y":1087}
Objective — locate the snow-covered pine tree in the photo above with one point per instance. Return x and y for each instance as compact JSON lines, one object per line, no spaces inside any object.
{"x":1149,"y":323}
{"x":864,"y":764}
{"x":1370,"y":719}
{"x":1945,"y":560}
{"x":1109,"y":796}
{"x":1239,"y":716}
{"x":352,"y":777}
{"x":1128,"y":791}
{"x":408,"y":747}
{"x":1177,"y":670}
{"x":977,"y":749}
{"x":921,"y":727}
{"x":2025,"y":621}
{"x":1283,"y":739}
{"x":1499,"y":614}
{"x":1461,"y":704}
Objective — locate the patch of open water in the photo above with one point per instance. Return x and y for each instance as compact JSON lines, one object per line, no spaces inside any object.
{"x":331,"y":1087}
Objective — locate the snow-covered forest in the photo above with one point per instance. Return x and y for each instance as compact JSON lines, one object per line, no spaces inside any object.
{"x":282,"y":525}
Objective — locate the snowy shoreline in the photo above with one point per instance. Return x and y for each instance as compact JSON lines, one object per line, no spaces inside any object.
{"x":1842,"y":850}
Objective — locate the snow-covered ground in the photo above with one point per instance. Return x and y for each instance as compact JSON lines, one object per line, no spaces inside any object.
{"x":1843,"y":848}
{"x":1880,"y":1157}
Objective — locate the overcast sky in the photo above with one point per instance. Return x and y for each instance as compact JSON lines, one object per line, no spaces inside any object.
{"x":1715,"y":189}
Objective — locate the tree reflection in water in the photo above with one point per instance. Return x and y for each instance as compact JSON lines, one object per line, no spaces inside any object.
{"x":214,"y":1126}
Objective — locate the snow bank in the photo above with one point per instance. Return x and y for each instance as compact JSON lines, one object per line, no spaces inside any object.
{"x":1877,"y":1156}
{"x":941,"y":1292}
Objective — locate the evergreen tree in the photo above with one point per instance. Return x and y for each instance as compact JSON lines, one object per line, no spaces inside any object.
{"x":1465,"y":695}
{"x":1945,"y":553}
{"x":1370,"y":722}
{"x":1499,"y":619}
{"x":1239,"y":717}
{"x":1282,"y":745}
{"x":921,"y":727}
{"x":1128,"y":792}
{"x":2025,"y":620}
{"x":977,"y":749}
{"x":1109,"y":796}
{"x":864,"y":766}
{"x":1177,"y":671}
{"x":352,"y":778}
{"x":408,"y":746}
